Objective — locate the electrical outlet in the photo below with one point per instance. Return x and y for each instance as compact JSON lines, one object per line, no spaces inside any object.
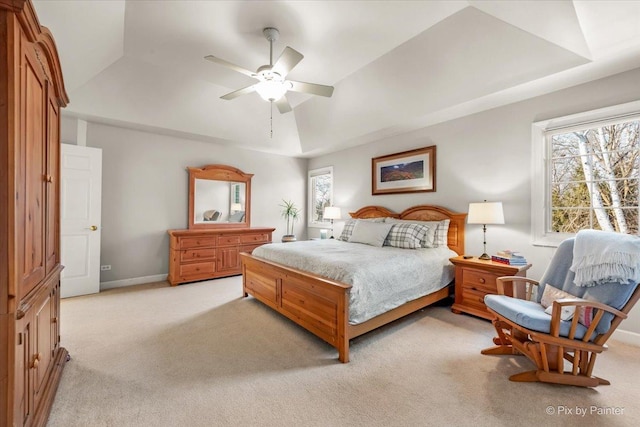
{"x":105,"y":267}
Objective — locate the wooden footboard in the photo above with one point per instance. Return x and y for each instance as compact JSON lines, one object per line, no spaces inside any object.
{"x":321,"y":305}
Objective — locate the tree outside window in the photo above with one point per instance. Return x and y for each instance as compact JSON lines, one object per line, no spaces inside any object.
{"x":594,"y":177}
{"x":320,"y":194}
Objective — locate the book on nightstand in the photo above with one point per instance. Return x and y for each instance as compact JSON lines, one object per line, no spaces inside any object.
{"x":509,"y":257}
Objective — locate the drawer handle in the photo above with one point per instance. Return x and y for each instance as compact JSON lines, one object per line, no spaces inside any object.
{"x":481,"y":280}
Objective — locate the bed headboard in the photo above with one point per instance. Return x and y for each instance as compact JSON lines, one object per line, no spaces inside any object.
{"x":455,"y":237}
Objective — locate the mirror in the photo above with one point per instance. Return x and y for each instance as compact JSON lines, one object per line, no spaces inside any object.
{"x":219,"y":197}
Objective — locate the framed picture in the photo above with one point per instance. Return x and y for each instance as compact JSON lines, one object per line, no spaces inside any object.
{"x":411,"y":171}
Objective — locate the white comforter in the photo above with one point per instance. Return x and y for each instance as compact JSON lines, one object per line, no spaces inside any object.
{"x":381,"y":278}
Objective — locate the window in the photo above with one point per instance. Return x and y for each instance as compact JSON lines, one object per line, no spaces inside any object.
{"x":588,"y":174}
{"x":320,"y":195}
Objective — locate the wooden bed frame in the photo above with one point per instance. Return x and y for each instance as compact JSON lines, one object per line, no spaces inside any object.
{"x":321,"y":305}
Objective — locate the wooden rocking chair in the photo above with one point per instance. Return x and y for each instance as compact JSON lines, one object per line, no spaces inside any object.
{"x":525,"y":328}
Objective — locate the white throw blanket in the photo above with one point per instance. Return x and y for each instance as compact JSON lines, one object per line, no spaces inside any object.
{"x":602,"y":257}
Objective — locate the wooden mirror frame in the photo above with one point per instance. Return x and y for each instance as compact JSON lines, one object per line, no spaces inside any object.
{"x":219,"y":173}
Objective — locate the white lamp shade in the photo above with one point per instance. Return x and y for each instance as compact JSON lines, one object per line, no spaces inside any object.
{"x":236,"y":207}
{"x":331,"y":212}
{"x":485,"y":213}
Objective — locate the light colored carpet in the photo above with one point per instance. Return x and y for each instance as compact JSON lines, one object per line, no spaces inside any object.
{"x":199,"y":355}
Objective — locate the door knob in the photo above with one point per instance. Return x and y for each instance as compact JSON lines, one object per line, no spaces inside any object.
{"x":93,"y":228}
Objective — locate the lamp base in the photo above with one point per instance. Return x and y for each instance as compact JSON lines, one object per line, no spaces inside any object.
{"x":485,"y":257}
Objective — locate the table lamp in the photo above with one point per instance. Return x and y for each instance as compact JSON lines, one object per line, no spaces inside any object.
{"x":485,"y":213}
{"x":331,"y":212}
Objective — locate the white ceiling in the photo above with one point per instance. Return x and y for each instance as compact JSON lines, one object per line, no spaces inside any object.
{"x":396,"y":65}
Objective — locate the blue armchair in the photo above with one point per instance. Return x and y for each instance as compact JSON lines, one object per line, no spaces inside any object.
{"x":562,"y":323}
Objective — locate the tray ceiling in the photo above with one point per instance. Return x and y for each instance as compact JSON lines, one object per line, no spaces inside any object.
{"x":396,"y":65}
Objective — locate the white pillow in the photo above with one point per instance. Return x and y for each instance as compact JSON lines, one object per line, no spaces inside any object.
{"x":552,"y":294}
{"x":566,"y":313}
{"x":348,"y":227}
{"x":370,"y":233}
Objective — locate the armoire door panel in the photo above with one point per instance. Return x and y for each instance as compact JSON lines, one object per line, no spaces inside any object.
{"x":32,"y":266}
{"x":23,"y":372}
{"x":43,"y":344}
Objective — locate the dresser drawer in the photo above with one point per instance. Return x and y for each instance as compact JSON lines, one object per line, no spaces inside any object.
{"x":200,"y":269}
{"x":207,"y":254}
{"x":228,"y":240}
{"x":195,"y":242}
{"x":474,"y":298}
{"x":197,"y":254}
{"x":254,"y":238}
{"x":479,"y":280}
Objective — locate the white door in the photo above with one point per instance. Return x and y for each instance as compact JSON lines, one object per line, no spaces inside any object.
{"x":80,"y":203}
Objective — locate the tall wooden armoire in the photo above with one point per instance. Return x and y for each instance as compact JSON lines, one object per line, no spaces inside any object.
{"x":31,"y":95}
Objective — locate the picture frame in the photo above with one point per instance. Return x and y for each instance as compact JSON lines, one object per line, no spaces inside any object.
{"x":412,"y":171}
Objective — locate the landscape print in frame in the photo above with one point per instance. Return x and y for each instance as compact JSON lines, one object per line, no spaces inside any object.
{"x":410,"y":171}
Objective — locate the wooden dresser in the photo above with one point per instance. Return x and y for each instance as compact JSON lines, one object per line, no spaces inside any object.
{"x":211,"y":253}
{"x":476,"y":278}
{"x":31,"y":96}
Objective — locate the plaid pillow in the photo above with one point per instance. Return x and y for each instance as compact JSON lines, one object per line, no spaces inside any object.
{"x":435,"y":236}
{"x":347,"y":231}
{"x":406,"y":236}
{"x":441,"y":233}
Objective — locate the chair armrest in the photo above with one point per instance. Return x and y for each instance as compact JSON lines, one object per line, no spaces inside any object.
{"x":564,"y":302}
{"x":511,"y":281}
{"x":578,"y":303}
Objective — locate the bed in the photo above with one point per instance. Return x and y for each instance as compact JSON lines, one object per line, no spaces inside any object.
{"x":324,"y":305}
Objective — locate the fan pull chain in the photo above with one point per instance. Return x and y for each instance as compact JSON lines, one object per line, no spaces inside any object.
{"x":271,"y":119}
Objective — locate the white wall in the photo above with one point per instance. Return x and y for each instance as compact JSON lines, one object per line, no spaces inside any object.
{"x":482,"y":156}
{"x":145,"y":192}
{"x":68,"y":130}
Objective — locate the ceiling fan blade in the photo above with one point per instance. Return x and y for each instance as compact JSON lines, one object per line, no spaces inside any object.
{"x":237,"y":93}
{"x":283,"y":105}
{"x":230,"y":65}
{"x":288,"y":59}
{"x":311,"y":88}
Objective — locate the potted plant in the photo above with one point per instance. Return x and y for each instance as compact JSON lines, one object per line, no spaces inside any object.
{"x":291,"y":213}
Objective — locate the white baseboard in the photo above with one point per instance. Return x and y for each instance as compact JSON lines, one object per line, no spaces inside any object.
{"x":626,"y":337}
{"x":130,"y":282}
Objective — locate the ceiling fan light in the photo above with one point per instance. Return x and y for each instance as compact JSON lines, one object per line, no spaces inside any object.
{"x":272,"y":90}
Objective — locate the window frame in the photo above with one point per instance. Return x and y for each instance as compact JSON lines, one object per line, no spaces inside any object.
{"x":541,"y":148}
{"x":327,"y":170}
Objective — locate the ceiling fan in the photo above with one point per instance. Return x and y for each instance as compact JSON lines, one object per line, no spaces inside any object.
{"x":272,"y":85}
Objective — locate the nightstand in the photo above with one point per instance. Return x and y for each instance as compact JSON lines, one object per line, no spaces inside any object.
{"x":476,"y":278}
